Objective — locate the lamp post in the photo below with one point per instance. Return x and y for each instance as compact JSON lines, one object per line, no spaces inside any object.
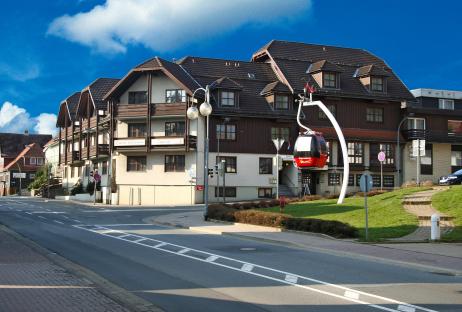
{"x":398,"y":163}
{"x":205,"y":110}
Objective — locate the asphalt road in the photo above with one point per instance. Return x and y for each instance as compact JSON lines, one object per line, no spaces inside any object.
{"x":181,"y":270}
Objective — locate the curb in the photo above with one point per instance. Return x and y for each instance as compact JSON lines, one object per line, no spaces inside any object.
{"x":121,"y":296}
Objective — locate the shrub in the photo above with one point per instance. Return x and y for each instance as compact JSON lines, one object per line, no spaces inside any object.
{"x":261,"y":218}
{"x":372,"y":193}
{"x":221,"y":212}
{"x":77,"y":189}
{"x":273,"y":203}
{"x":247,"y":205}
{"x":263,"y":204}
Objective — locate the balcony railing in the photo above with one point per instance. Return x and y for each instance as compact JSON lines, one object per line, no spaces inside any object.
{"x":414,"y":134}
{"x":103,"y":150}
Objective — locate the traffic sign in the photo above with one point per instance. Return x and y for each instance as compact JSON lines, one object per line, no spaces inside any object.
{"x":365,"y":183}
{"x":199,"y":187}
{"x":416,"y":145}
{"x":381,"y":156}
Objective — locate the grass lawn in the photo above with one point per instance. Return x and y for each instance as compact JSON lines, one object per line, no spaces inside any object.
{"x":387,"y":218}
{"x":450,"y":202}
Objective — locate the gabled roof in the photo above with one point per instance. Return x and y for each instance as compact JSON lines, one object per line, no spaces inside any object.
{"x":323,"y":65}
{"x":371,"y":70}
{"x":94,"y":93}
{"x":275,"y":86}
{"x":13,"y":143}
{"x":293,"y":59}
{"x":34,"y":149}
{"x":68,"y":109}
{"x":172,"y":70}
{"x":226,"y":83}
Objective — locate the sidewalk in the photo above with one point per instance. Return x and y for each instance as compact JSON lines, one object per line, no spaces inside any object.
{"x":434,"y":257}
{"x":31,"y":282}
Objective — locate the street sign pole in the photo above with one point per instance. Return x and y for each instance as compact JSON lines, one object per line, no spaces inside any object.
{"x":365,"y":184}
{"x":381,"y":157}
{"x":278,"y":144}
{"x":418,"y":164}
{"x":367,"y":211}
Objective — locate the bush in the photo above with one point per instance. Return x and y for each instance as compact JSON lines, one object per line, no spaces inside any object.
{"x":257,"y":217}
{"x":372,"y":193}
{"x":40,"y":179}
{"x":274,"y":203}
{"x":77,"y":189}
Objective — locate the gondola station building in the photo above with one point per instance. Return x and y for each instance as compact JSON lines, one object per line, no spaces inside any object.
{"x":136,"y":133}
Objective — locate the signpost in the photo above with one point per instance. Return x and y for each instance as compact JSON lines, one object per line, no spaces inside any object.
{"x":365,"y":184}
{"x":278,"y":144}
{"x":418,"y":150}
{"x":381,"y":158}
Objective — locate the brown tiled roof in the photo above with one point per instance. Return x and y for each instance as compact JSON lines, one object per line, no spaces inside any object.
{"x":371,"y":70}
{"x":275,"y":86}
{"x":68,"y":109}
{"x":251,"y":102}
{"x":226,"y":83}
{"x":295,"y":58}
{"x":323,"y":66}
{"x":11,"y":144}
{"x":98,"y":90}
{"x":31,"y":150}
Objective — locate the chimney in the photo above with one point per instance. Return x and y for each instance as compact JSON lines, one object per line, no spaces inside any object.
{"x":26,"y":132}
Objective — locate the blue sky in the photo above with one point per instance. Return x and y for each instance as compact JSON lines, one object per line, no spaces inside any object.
{"x":44,"y":57}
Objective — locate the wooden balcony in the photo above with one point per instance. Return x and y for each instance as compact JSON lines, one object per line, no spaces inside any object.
{"x":84,"y":153}
{"x":131,"y":110}
{"x":85,"y":126}
{"x":171,"y":143}
{"x":103,"y":150}
{"x":168,"y":109}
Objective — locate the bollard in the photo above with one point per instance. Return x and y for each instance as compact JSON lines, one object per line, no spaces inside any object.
{"x":435,"y":227}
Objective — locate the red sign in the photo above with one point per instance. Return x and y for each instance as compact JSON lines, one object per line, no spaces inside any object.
{"x":199,"y":187}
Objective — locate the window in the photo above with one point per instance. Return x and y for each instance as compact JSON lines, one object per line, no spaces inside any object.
{"x":329,"y":80}
{"x":39,"y":161}
{"x":104,"y":166}
{"x":230,"y":163}
{"x":136,"y":163}
{"x":227,"y":98}
{"x":33,"y":160}
{"x":266,"y":165}
{"x":456,"y":158}
{"x":375,"y":149}
{"x":330,"y":107}
{"x":226,"y":132}
{"x":175,"y":96}
{"x":377,"y":84}
{"x":426,"y":163}
{"x":31,"y":176}
{"x":455,"y":127}
{"x":281,"y":102}
{"x":280,"y":133}
{"x":72,"y":172}
{"x":416,"y":124}
{"x":355,"y":153}
{"x":351,"y":180}
{"x":136,"y":130}
{"x":376,"y":180}
{"x":329,"y":153}
{"x":388,"y":181}
{"x":333,"y":179}
{"x":93,"y":139}
{"x":446,"y":104}
{"x":174,"y":163}
{"x":265,"y":192}
{"x":229,"y":191}
{"x":137,"y":97}
{"x":174,"y":128}
{"x":374,"y":114}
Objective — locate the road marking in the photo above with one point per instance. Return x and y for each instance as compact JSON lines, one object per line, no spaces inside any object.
{"x":183,"y":251}
{"x":19,"y":210}
{"x":351,"y":294}
{"x":139,"y":240}
{"x":65,"y":217}
{"x":291,"y":279}
{"x":122,"y":236}
{"x":128,"y":224}
{"x":405,"y":308}
{"x":58,"y":221}
{"x":42,"y":217}
{"x":75,"y":220}
{"x":247,"y":267}
{"x":212,"y":258}
{"x":149,"y":209}
{"x":48,"y":212}
{"x":336,"y":291}
{"x":29,"y":213}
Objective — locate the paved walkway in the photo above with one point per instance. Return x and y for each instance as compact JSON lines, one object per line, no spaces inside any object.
{"x":435,"y":257}
{"x":420,"y":204}
{"x":31,"y":282}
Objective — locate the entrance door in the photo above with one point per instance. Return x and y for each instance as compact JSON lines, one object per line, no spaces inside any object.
{"x":309,"y":182}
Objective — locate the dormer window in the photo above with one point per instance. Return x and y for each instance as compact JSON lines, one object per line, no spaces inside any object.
{"x":329,"y":80}
{"x":227,"y":99}
{"x":281,"y":102}
{"x":377,"y":84}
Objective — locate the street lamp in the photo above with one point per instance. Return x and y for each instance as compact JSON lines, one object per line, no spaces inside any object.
{"x":193,"y":113}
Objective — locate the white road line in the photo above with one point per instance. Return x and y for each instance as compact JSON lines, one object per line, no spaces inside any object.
{"x":183,"y":251}
{"x":149,"y":209}
{"x":29,"y":213}
{"x":212,"y":258}
{"x":48,"y":212}
{"x":58,"y":221}
{"x":405,"y":308}
{"x":351,"y":294}
{"x":140,"y":240}
{"x":19,"y":210}
{"x":402,"y":305}
{"x":41,"y":217}
{"x":65,"y":217}
{"x":122,"y":236}
{"x":291,"y":279}
{"x":247,"y":267}
{"x":128,"y":224}
{"x":75,"y":220}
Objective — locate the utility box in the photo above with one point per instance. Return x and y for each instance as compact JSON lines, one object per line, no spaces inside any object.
{"x":435,"y":227}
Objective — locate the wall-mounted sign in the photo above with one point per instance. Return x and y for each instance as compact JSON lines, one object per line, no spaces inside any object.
{"x":199,"y":187}
{"x":18,"y":175}
{"x":167,"y":141}
{"x":129,"y":142}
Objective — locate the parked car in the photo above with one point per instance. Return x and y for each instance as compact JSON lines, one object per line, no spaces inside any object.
{"x":453,"y":178}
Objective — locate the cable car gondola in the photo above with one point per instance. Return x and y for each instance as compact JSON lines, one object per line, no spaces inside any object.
{"x":310,"y":151}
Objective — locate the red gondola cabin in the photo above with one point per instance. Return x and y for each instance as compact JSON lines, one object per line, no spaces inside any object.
{"x":310,"y":151}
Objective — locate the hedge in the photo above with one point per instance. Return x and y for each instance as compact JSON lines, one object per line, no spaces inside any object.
{"x":284,"y":221}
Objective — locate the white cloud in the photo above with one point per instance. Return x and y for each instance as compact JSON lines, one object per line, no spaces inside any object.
{"x":168,"y":24}
{"x":21,"y":73}
{"x":15,"y":119}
